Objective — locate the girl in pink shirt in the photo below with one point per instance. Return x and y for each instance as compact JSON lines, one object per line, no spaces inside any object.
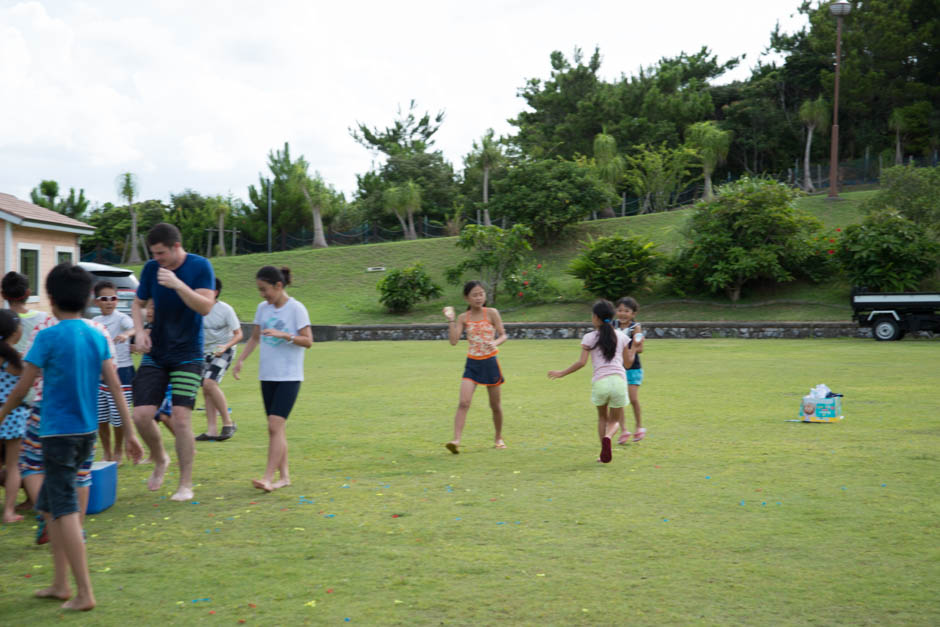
{"x":609,"y":349}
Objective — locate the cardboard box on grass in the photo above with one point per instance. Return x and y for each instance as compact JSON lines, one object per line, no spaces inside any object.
{"x":814,"y":409}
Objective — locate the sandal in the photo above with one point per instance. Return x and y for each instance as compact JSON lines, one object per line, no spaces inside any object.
{"x":640,"y":434}
{"x":624,"y":438}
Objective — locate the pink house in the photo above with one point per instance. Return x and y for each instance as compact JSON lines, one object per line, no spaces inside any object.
{"x":34,"y":239}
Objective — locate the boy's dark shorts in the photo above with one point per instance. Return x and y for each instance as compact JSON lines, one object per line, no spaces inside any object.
{"x":62,"y":456}
{"x":151,"y":381}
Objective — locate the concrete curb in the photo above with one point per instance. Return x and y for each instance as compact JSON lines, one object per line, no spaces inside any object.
{"x":573,"y":330}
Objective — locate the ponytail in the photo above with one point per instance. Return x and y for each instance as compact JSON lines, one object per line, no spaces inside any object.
{"x":9,"y":321}
{"x":606,"y":336}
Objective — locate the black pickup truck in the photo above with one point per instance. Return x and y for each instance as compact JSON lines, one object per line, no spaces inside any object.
{"x":892,"y":314}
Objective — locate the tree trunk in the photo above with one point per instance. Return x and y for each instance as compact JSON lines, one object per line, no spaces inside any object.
{"x":898,"y":157}
{"x":135,"y":255}
{"x":808,"y":179}
{"x":404,"y":227}
{"x":222,"y":233}
{"x":209,"y":244}
{"x":486,"y":197}
{"x":734,"y":291}
{"x":411,"y":233}
{"x":707,"y":174}
{"x":319,"y":239}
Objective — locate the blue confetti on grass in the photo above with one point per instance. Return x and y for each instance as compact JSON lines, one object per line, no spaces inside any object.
{"x":195,"y":503}
{"x":742,"y":502}
{"x":708,"y":476}
{"x":456,"y":519}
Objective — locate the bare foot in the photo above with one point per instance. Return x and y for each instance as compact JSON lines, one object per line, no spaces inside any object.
{"x":12,"y":518}
{"x":183,"y":494}
{"x":261,"y":484}
{"x":156,"y":478}
{"x":452,"y":447}
{"x":79,"y":604}
{"x":63,"y":594}
{"x":499,"y":443}
{"x":280,"y":483}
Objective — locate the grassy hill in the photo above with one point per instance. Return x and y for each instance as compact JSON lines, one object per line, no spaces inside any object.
{"x":336,"y":288}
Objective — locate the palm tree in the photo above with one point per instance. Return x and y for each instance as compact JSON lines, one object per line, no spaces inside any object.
{"x":610,"y":166}
{"x":392,"y":198}
{"x":405,"y":199}
{"x":127,"y":189}
{"x":318,"y":198}
{"x":487,"y":155}
{"x":814,"y":114}
{"x":712,"y":145}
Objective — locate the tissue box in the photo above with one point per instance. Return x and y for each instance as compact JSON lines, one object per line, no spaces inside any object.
{"x":103,"y":486}
{"x":821,"y":409}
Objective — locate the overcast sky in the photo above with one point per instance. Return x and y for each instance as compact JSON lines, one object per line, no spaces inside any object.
{"x":193,"y":94}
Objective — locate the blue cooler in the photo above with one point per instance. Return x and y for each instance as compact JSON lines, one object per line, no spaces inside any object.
{"x":103,"y":486}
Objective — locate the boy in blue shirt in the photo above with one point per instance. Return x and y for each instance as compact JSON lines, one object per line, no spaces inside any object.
{"x":71,"y":355}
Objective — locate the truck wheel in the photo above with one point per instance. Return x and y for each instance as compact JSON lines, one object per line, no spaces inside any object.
{"x":886,"y":330}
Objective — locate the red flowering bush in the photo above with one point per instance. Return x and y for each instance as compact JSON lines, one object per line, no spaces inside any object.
{"x":531,"y":285}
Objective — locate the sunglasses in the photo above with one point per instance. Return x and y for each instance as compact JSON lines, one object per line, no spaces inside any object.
{"x":107,"y":299}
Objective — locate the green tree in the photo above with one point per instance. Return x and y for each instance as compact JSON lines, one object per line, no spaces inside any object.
{"x":548,"y":195}
{"x":887,"y":252}
{"x":495,"y":253}
{"x":406,"y":148}
{"x":289,"y":209}
{"x":486,"y":156}
{"x":127,"y":187}
{"x":408,"y":133}
{"x":712,"y":145}
{"x":320,"y":199}
{"x":657,"y":173}
{"x":889,"y":62}
{"x":750,"y":231}
{"x":912,"y":191}
{"x":405,"y":201}
{"x":402,"y":289}
{"x":610,"y":165}
{"x":611,"y":267}
{"x":814,"y":114}
{"x":46,"y":195}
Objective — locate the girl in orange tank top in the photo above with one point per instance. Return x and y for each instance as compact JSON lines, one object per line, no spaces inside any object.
{"x":485,"y":333}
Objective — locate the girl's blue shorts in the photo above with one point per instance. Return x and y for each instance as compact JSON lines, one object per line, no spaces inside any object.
{"x":635,"y":376}
{"x":483,"y":371}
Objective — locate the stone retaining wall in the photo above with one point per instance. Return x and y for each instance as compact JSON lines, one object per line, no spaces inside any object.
{"x":572,"y":330}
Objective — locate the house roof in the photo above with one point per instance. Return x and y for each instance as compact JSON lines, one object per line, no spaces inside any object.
{"x":23,"y":213}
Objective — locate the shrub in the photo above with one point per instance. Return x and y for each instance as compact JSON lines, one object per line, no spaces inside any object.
{"x":914,"y":192}
{"x":887,"y":252}
{"x":611,"y":267}
{"x":751,"y":231}
{"x":495,"y":254}
{"x":402,"y":289}
{"x":548,"y":195}
{"x":530,"y":285}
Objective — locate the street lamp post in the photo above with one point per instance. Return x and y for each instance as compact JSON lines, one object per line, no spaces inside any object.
{"x":839,"y":9}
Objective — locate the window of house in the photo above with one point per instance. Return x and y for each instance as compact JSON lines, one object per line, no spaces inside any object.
{"x":63,"y":255}
{"x":29,"y":266}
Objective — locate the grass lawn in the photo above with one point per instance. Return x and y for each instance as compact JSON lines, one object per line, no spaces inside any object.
{"x":725,"y":514}
{"x":335,"y":287}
